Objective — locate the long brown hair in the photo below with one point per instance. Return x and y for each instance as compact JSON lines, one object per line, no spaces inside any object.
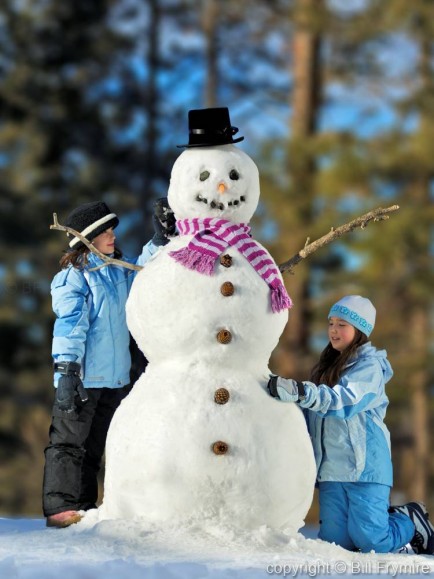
{"x":78,"y":258}
{"x":331,"y":363}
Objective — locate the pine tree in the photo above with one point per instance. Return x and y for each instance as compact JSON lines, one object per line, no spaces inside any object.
{"x":353,"y":170}
{"x":62,"y":142}
{"x":391,"y":166}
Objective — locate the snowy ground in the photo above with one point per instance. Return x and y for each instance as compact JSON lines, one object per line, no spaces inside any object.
{"x":132,"y":550}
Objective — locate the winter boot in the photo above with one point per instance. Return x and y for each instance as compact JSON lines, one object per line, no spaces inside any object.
{"x":64,"y":519}
{"x":423,"y":539}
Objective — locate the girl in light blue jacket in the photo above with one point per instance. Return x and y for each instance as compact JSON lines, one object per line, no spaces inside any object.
{"x":91,"y":356}
{"x":345,"y":405}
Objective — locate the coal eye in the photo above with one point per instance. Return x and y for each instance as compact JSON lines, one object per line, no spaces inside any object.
{"x":234,"y":175}
{"x":204,"y":175}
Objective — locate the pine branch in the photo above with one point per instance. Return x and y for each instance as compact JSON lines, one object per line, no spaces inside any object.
{"x":107,"y":260}
{"x":379,"y":214}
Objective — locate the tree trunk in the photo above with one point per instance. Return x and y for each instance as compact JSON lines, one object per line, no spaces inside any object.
{"x":292,"y":353}
{"x":306,"y":69}
{"x":210,"y":16}
{"x":419,"y":324}
{"x":150,"y":168}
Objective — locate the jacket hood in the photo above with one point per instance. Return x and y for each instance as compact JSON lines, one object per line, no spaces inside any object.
{"x":369,"y":351}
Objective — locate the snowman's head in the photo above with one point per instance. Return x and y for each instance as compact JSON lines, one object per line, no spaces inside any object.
{"x":220,"y":182}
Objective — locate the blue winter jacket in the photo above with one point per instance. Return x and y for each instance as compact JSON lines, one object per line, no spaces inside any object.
{"x":90,"y":326}
{"x":350,"y":440}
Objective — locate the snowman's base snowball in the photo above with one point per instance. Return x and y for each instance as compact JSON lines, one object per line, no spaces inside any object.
{"x":160,"y":463}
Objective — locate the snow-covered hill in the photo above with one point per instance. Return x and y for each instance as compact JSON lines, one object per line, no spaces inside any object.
{"x":131,"y":549}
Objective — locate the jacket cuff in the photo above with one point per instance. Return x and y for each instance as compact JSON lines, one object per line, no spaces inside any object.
{"x":308,"y":398}
{"x":66,"y":358}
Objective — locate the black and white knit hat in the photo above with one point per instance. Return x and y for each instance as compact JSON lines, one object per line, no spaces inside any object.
{"x":90,"y":219}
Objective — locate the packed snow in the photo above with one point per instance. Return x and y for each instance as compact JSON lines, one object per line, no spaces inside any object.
{"x":120,"y":549}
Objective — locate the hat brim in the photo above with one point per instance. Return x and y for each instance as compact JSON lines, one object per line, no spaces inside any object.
{"x":196,"y":145}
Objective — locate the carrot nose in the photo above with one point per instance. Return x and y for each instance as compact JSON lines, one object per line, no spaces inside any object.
{"x":221,"y":187}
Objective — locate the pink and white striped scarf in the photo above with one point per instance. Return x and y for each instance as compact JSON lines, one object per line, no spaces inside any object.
{"x":212,"y":236}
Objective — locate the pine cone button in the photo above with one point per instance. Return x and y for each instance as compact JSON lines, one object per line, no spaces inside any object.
{"x":220,"y":447}
{"x":226,"y":260}
{"x":221,"y":396}
{"x":227,"y":289}
{"x":224,"y":336}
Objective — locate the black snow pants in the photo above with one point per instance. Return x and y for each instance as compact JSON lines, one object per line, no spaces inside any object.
{"x":73,"y":456}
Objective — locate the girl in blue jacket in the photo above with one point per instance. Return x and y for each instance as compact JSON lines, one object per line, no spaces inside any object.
{"x":345,"y":405}
{"x":92,"y":359}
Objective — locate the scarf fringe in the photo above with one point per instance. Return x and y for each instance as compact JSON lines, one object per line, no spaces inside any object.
{"x":280,"y":299}
{"x":194,"y":260}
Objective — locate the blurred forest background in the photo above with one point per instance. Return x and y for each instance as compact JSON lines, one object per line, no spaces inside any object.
{"x":335,"y":99}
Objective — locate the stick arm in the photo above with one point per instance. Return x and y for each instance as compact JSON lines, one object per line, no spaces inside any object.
{"x":107,"y":260}
{"x":379,"y":214}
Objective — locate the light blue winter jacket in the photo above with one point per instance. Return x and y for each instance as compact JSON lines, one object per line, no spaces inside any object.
{"x":90,"y":326}
{"x":350,"y":440}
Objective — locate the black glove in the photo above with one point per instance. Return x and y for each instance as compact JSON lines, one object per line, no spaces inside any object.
{"x":69,"y":385}
{"x":164,"y":222}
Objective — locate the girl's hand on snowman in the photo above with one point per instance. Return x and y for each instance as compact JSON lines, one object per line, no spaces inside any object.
{"x":164,"y":222}
{"x":286,"y":389}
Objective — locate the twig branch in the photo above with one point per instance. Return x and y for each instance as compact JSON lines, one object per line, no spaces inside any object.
{"x":379,"y":214}
{"x":107,"y":260}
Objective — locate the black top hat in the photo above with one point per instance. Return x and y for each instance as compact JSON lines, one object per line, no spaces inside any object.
{"x":210,"y":127}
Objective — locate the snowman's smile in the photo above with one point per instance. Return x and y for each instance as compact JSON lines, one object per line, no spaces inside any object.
{"x":218,"y":204}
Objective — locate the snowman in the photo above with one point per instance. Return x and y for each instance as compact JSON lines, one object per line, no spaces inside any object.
{"x":199,"y":438}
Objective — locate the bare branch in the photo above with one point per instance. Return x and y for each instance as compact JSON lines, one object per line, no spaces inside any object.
{"x":107,"y":260}
{"x":379,"y":214}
